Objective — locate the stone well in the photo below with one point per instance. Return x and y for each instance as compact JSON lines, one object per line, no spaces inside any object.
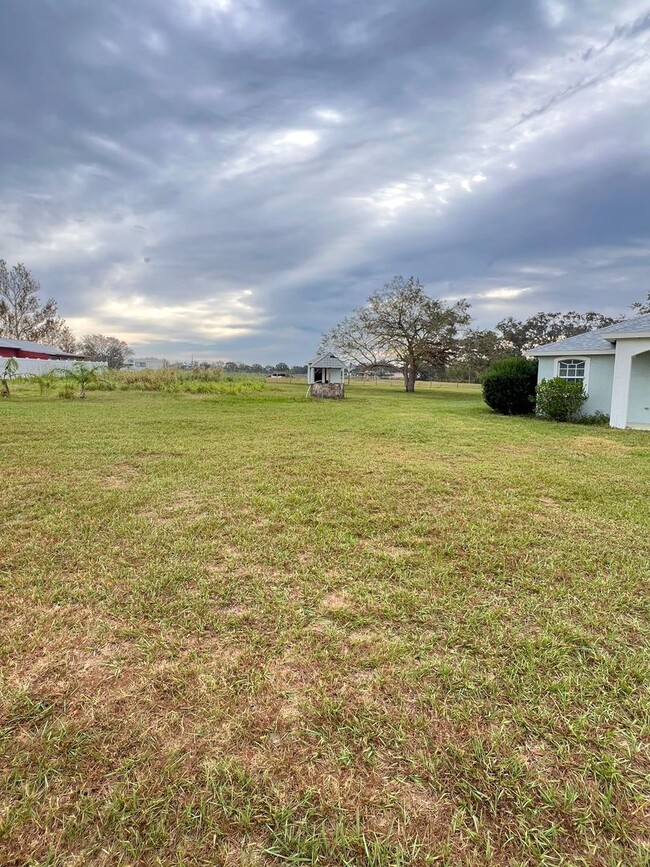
{"x":328,"y":390}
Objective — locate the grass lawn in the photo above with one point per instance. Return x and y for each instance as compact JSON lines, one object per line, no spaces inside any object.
{"x":259,"y":630}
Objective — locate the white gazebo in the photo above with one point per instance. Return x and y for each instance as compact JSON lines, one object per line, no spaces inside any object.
{"x":326,"y":376}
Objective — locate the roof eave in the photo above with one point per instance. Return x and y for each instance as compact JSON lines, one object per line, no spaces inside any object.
{"x":626,"y":335}
{"x":560,"y":351}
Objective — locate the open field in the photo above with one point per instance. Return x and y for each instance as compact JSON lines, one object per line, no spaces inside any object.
{"x":259,"y":630}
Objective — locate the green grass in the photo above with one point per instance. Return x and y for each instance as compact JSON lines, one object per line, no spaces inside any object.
{"x":259,"y":630}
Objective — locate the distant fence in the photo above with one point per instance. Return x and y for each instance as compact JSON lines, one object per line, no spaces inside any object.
{"x":34,"y":366}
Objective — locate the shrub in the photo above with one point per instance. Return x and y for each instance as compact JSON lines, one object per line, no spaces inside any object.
{"x":597,"y":418}
{"x":509,"y":386}
{"x":559,"y":399}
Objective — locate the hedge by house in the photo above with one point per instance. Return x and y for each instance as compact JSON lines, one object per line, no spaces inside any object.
{"x":509,"y":386}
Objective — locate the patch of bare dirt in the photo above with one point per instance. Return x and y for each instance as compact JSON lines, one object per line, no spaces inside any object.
{"x":185,"y":504}
{"x":336,"y":601}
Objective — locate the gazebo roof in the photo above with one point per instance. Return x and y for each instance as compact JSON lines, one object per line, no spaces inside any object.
{"x":10,"y":348}
{"x":327,"y":360}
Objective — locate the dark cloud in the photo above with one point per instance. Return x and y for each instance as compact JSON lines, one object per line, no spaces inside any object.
{"x":229,"y":178}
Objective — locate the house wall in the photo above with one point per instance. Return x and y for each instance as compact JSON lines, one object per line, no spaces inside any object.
{"x":600,"y":377}
{"x":638,"y":412}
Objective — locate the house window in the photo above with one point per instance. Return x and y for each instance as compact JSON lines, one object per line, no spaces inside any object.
{"x":572,"y":369}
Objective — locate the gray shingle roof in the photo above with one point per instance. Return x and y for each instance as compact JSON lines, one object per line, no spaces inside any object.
{"x":327,"y":360}
{"x":600,"y":340}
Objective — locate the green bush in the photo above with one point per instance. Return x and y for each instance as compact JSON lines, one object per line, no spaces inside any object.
{"x":509,"y":386}
{"x":597,"y":418}
{"x":559,"y":399}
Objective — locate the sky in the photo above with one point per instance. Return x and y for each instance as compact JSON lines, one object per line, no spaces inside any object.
{"x":227,"y":179}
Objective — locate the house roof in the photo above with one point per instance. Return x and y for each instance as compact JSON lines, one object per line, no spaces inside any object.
{"x":10,"y":348}
{"x":599,"y":342}
{"x":328,"y":360}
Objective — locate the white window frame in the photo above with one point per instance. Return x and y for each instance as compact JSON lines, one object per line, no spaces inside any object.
{"x":587,"y":361}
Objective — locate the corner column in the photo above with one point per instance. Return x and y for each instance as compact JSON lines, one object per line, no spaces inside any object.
{"x":621,"y":384}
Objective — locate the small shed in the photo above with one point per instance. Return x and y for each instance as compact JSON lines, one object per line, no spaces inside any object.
{"x":326,"y":376}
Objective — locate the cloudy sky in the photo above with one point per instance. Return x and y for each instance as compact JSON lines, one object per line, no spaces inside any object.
{"x":228,"y":178}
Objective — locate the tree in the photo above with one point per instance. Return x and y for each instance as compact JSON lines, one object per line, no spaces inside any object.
{"x":231,"y":367}
{"x":642,"y":307}
{"x":399,"y":325}
{"x":83,"y":375}
{"x":9,"y":370}
{"x":548,"y":327}
{"x":22,"y":316}
{"x":99,"y":347}
{"x":477,"y":350}
{"x":65,"y":339}
{"x":282,"y":367}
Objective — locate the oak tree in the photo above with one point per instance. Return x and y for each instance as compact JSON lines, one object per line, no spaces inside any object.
{"x":402,"y":326}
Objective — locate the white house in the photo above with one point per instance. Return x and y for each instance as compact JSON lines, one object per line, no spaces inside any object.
{"x":145,"y":363}
{"x":613,"y":364}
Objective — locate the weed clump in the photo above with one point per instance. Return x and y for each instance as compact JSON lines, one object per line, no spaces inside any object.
{"x":171,"y":380}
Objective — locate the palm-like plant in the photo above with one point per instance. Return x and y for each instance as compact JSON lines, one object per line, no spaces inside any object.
{"x":44,"y":381}
{"x":83,"y":375}
{"x":8,"y":372}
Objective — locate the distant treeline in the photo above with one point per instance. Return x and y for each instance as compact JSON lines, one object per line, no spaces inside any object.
{"x":239,"y":367}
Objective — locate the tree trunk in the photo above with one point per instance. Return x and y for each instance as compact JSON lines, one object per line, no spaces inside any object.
{"x":410,"y":370}
{"x":410,"y":384}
